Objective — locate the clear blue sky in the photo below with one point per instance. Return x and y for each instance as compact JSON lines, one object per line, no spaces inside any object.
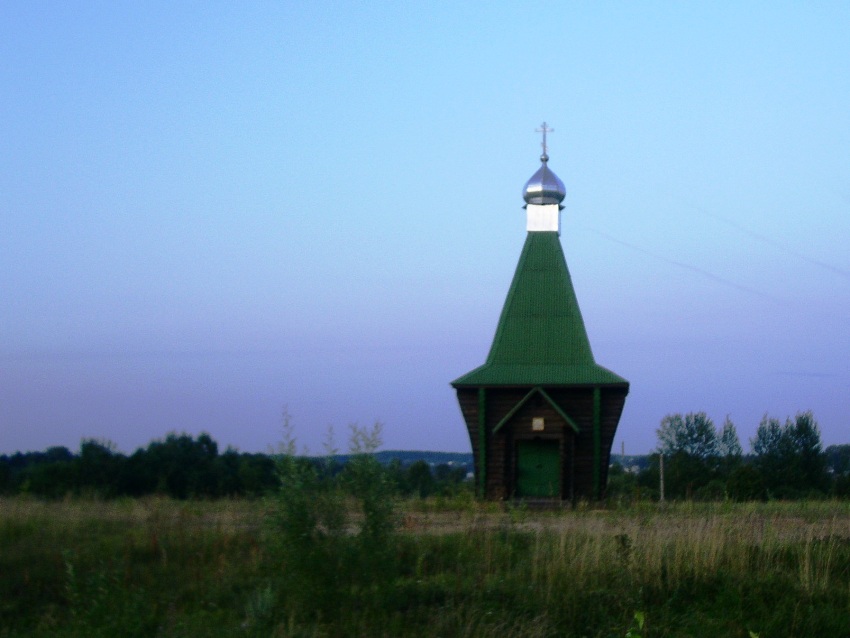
{"x":212,"y":210}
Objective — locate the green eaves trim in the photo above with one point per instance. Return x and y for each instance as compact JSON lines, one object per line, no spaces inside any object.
{"x":525,"y":399}
{"x":558,"y":409}
{"x":537,"y":375}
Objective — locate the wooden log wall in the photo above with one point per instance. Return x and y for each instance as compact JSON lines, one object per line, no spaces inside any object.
{"x":577,"y":450}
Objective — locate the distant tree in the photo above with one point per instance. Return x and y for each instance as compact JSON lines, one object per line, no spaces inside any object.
{"x":448,"y":478}
{"x":771,"y":453}
{"x":203,"y":480}
{"x":257,"y":474}
{"x":689,"y":444}
{"x":622,"y":485}
{"x":49,"y":479}
{"x":182,"y":466}
{"x":49,"y":474}
{"x":98,"y":467}
{"x":745,"y":483}
{"x":242,"y":474}
{"x":54,"y":454}
{"x":6,"y":480}
{"x":731,"y":456}
{"x":809,"y":460}
{"x":768,"y":440}
{"x":228,"y":480}
{"x":790,"y":457}
{"x":692,"y":434}
{"x":395,"y":471}
{"x":838,"y":465}
{"x":419,"y":478}
{"x":728,"y":444}
{"x":838,"y":459}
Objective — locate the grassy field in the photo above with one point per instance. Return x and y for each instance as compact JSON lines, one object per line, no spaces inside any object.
{"x":157,"y":567}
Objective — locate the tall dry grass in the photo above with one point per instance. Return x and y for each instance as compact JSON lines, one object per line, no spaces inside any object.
{"x":80,"y":567}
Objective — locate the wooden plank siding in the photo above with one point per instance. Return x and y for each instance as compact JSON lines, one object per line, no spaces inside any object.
{"x":576,"y":450}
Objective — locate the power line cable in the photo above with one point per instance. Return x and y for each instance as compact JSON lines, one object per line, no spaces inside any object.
{"x":775,"y":244}
{"x":690,"y":267}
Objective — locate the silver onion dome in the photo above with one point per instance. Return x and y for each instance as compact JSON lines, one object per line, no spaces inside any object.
{"x":544,"y":187}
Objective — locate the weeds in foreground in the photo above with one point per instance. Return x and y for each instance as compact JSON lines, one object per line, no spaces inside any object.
{"x":335,"y":534}
{"x":636,"y":629}
{"x":159,"y":567}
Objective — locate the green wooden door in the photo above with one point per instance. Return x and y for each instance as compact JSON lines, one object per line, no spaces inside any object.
{"x":538,"y":469}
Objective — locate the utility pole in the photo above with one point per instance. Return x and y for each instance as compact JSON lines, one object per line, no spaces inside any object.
{"x":661,"y":475}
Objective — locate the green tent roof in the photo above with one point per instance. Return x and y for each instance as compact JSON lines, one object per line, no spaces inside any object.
{"x":541,"y":339}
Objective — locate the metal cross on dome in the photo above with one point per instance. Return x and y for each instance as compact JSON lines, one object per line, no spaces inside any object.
{"x":544,"y":129}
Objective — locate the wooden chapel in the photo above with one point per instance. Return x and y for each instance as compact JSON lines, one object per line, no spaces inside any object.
{"x":541,"y":413}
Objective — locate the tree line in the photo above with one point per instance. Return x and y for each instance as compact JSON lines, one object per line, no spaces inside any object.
{"x":706,"y":462}
{"x":700,"y":461}
{"x":185,"y":467}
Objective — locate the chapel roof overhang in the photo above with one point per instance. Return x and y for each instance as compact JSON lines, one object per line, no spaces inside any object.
{"x":541,"y":338}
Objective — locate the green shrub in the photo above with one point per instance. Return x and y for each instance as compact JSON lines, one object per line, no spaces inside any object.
{"x":336,"y":534}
